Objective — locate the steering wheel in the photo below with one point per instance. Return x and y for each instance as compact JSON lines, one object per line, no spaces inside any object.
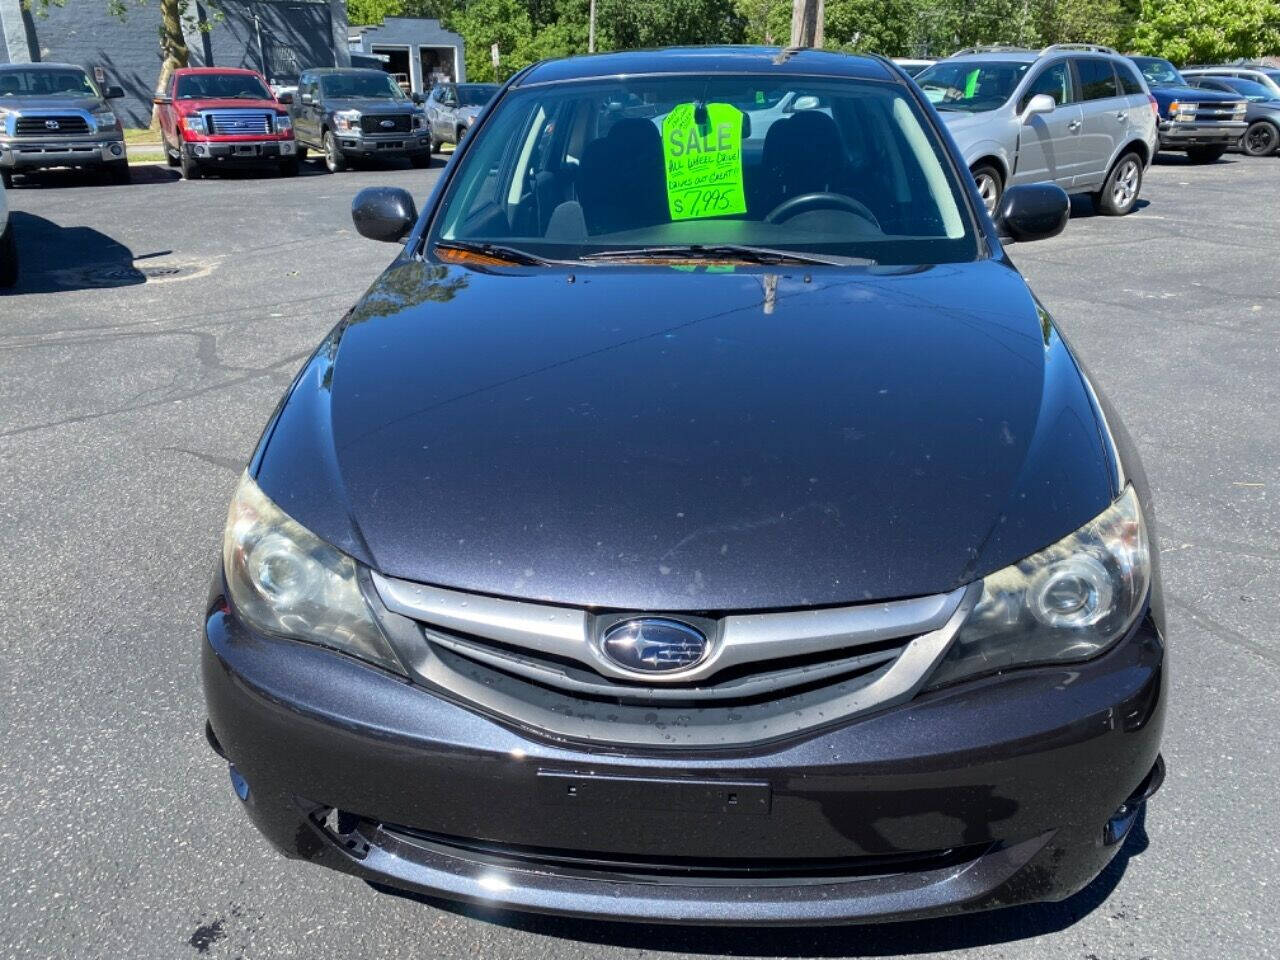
{"x":819,"y":200}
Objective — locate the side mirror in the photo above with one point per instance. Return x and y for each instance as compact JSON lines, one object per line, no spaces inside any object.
{"x":384,"y":213}
{"x":1038,"y":105}
{"x":284,"y":97}
{"x":419,"y":98}
{"x":305,"y":98}
{"x":162,"y":101}
{"x":1034,"y":211}
{"x":114,"y":92}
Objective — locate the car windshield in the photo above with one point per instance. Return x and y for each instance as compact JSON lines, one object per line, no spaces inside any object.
{"x":971,"y":85}
{"x":361,"y":86}
{"x":475,"y":94}
{"x":221,"y":86}
{"x":675,"y":168}
{"x":46,"y":83}
{"x":1158,"y":71}
{"x":1251,"y":89}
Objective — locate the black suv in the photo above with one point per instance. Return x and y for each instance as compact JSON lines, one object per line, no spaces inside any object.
{"x":351,"y":114}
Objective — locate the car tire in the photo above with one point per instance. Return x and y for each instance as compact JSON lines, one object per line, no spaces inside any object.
{"x":1120,"y":190}
{"x":1205,"y":154}
{"x":8,"y":258}
{"x":190,"y":168}
{"x":118,"y":172}
{"x":420,"y":160}
{"x":433,"y":147}
{"x":170,"y":157}
{"x":6,"y":177}
{"x":1261,"y":139}
{"x":289,"y":168}
{"x":990,"y":186}
{"x":334,"y":161}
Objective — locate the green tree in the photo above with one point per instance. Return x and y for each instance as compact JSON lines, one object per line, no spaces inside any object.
{"x":1204,"y":31}
{"x":628,"y":24}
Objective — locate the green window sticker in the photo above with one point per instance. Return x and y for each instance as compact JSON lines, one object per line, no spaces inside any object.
{"x":971,"y":84}
{"x":704,"y":162}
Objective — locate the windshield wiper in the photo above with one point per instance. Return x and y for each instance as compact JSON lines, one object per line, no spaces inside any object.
{"x":736,"y":251}
{"x":497,"y":251}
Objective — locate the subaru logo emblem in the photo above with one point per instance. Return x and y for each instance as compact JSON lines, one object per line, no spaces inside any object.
{"x":654,"y":645}
{"x":51,"y":124}
{"x":388,"y":124}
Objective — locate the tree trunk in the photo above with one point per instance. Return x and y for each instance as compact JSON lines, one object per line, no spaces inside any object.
{"x":174,"y":47}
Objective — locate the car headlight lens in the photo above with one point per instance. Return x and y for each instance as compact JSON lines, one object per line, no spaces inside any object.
{"x":104,"y":119}
{"x":346,"y":120}
{"x":194,"y":122}
{"x":285,"y":580}
{"x":1068,"y":602}
{"x":418,"y":121}
{"x":284,"y":123}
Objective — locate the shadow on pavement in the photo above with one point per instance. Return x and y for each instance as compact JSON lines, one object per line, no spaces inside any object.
{"x":54,"y":259}
{"x":870,"y":940}
{"x":61,"y":177}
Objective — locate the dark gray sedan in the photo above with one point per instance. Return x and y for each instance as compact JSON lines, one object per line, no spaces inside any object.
{"x":1262,"y":112}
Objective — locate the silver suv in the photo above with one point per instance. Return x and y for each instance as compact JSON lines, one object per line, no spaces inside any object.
{"x":1077,"y":115}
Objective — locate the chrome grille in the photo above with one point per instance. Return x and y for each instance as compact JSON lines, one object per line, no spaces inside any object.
{"x":44,"y":125}
{"x":768,"y":675}
{"x":377,"y":123}
{"x":1223,"y":112}
{"x":230,"y":123}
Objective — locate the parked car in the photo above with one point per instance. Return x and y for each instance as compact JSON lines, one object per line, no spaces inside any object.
{"x":1262,"y":112}
{"x":813,"y":586}
{"x":453,"y":107}
{"x":55,"y":115}
{"x":1071,"y":114}
{"x":1203,"y":123}
{"x":212,"y":118}
{"x":1269,"y":77}
{"x":8,"y":245}
{"x":349,"y":114}
{"x":912,"y":67}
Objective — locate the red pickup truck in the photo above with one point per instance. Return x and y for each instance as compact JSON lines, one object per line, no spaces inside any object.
{"x":213,"y":117}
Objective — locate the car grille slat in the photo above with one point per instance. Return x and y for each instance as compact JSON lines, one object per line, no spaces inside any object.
{"x":1217,"y":112}
{"x":376,"y":123}
{"x":230,"y":123}
{"x":38,"y":125}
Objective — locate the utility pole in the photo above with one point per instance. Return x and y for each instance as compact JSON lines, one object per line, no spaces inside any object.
{"x":806,"y":23}
{"x":591,"y":29}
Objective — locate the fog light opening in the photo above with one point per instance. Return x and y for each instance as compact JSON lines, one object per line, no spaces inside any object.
{"x":116,"y":149}
{"x":238,"y":783}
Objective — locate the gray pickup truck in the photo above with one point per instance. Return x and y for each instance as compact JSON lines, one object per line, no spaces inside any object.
{"x":54,"y":115}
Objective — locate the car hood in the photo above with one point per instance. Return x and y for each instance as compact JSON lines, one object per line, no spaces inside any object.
{"x":654,"y":439}
{"x":957,"y":120}
{"x":371,"y":105}
{"x":88,"y":104}
{"x":1178,"y":91}
{"x":233,"y":103}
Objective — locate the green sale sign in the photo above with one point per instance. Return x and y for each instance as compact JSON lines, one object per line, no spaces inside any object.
{"x":704,"y":161}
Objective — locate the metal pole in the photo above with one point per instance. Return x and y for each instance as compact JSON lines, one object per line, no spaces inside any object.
{"x":591,"y":29}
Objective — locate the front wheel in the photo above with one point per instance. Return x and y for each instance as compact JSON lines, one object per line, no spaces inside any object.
{"x":171,"y":157}
{"x":990,"y":186}
{"x":334,"y":161}
{"x":420,"y":160}
{"x":1121,"y":188}
{"x":1205,"y":154}
{"x":1261,"y":139}
{"x":190,"y":168}
{"x":8,"y":258}
{"x":118,"y":172}
{"x":6,"y":177}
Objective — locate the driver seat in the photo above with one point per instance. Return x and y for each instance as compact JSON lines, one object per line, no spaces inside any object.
{"x":802,"y":154}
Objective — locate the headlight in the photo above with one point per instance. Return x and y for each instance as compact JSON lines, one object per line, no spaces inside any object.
{"x":284,"y":123}
{"x":195,"y":123}
{"x":104,"y":119}
{"x":1068,"y":602}
{"x":346,"y":120}
{"x":285,"y":580}
{"x":418,"y":121}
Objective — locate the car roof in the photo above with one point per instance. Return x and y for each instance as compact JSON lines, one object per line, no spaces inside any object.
{"x":43,"y":65}
{"x":191,"y":71}
{"x":778,"y":61}
{"x":329,"y":71}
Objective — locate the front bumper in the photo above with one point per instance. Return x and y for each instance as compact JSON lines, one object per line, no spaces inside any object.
{"x":390,"y":145}
{"x":239,"y":151}
{"x":1178,"y":135}
{"x":28,"y":154}
{"x":994,"y":792}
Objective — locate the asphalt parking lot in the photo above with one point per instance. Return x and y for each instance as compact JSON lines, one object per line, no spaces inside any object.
{"x":156,"y":326}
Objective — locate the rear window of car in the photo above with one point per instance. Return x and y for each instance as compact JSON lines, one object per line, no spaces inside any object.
{"x":853,"y":169}
{"x":1130,"y":82}
{"x":1097,"y":79}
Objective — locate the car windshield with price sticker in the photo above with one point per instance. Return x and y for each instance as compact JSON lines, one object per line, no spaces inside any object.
{"x":835,"y":170}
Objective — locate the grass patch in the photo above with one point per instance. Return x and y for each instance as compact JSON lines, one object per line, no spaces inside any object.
{"x":141,"y":135}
